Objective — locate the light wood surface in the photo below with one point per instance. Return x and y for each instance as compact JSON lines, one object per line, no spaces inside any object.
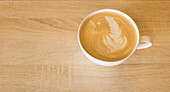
{"x":39,"y":51}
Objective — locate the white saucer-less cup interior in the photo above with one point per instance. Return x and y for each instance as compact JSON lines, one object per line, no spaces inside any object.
{"x":101,"y":62}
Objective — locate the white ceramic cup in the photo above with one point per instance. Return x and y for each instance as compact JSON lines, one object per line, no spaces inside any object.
{"x":145,"y":41}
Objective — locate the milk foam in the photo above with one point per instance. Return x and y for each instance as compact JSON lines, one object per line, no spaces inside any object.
{"x":108,"y":36}
{"x":114,"y":40}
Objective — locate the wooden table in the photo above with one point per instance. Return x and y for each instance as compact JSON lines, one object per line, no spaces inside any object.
{"x":39,"y":51}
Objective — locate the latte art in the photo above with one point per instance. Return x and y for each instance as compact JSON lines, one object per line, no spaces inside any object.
{"x":114,"y":40}
{"x":108,"y":36}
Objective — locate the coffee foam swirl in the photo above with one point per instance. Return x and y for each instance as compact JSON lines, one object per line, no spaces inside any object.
{"x":108,"y":36}
{"x":114,"y":40}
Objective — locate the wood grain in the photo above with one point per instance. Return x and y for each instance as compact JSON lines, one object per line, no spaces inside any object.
{"x":93,"y":78}
{"x":39,"y":50}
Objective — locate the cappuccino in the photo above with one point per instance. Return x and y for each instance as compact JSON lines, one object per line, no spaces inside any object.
{"x":108,"y":36}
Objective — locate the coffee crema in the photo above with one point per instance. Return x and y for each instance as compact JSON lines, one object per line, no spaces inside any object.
{"x":108,"y":36}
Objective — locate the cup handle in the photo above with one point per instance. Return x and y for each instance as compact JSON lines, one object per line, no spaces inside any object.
{"x":145,"y":42}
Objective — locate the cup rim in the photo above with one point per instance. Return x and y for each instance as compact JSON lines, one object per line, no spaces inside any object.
{"x":103,"y":62}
